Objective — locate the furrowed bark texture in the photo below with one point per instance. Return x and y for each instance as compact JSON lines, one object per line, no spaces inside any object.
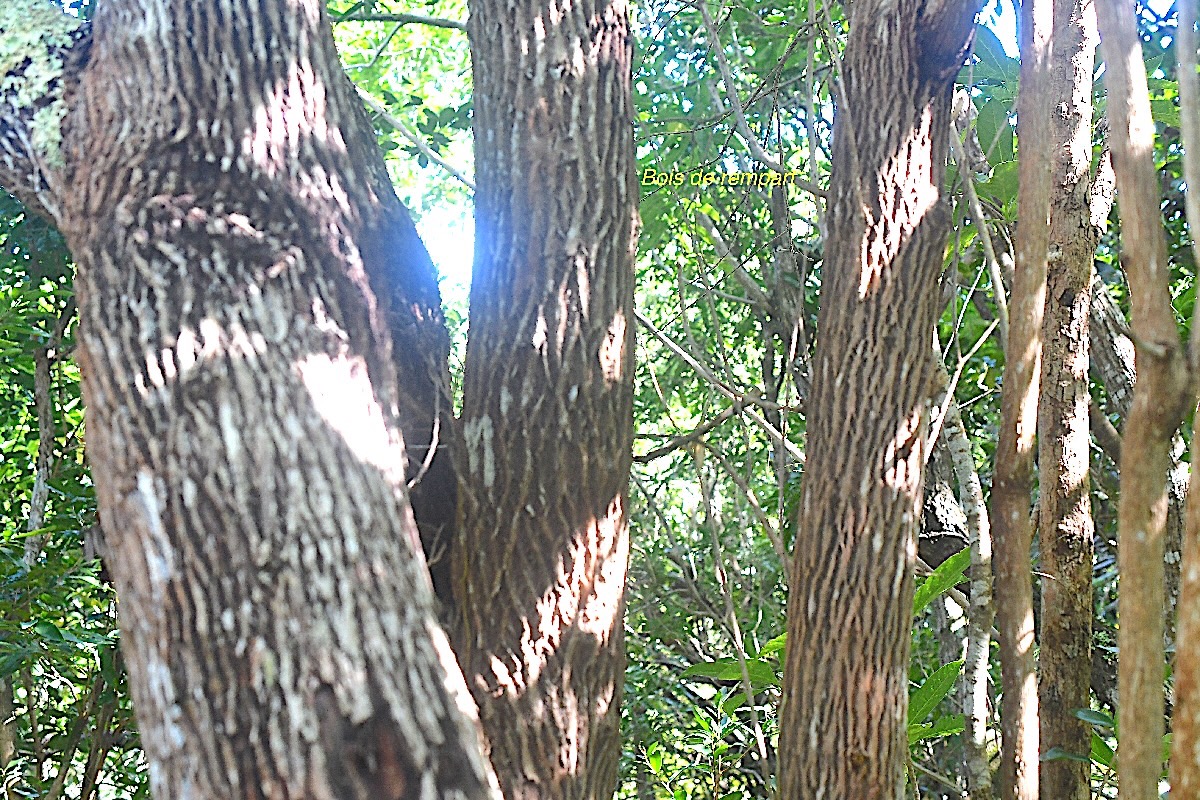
{"x":1064,"y":438}
{"x":842,"y":733}
{"x":257,"y":321}
{"x":547,"y":409}
{"x":1159,"y":402}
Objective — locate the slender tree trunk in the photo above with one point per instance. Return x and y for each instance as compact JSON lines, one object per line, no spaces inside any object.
{"x":1064,"y":438}
{"x":981,"y":613}
{"x":1112,"y":364}
{"x":1018,"y":775}
{"x":8,"y":733}
{"x":257,"y":317}
{"x":843,"y":727}
{"x":1185,"y":755}
{"x":1159,"y":403}
{"x":548,"y":394}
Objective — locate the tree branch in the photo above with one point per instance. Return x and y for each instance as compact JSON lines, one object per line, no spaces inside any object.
{"x":41,"y":50}
{"x":410,"y":134}
{"x":405,"y":19}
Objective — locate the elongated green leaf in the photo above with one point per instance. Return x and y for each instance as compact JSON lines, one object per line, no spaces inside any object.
{"x":948,"y":725}
{"x":776,"y":645}
{"x":654,"y":757}
{"x":947,"y":574}
{"x":1096,"y":718}
{"x":13,"y":661}
{"x":1101,"y":752}
{"x":922,"y":701}
{"x":1058,"y":754}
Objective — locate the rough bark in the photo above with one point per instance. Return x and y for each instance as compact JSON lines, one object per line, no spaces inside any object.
{"x":257,"y":321}
{"x":1013,"y":481}
{"x":1159,"y":403}
{"x":547,"y":398}
{"x":842,"y":732}
{"x":1064,"y":440}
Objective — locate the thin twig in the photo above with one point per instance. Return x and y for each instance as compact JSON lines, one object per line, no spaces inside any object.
{"x":411,"y":135}
{"x":687,"y":438}
{"x":405,"y":19}
{"x":712,"y":520}
{"x":985,"y":236}
{"x":755,"y":508}
{"x":705,"y":373}
{"x":958,"y":370}
{"x":739,"y":115}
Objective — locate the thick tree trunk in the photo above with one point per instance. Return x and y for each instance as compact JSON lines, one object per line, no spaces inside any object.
{"x":1064,"y":439}
{"x":1159,"y":403}
{"x":257,"y":320}
{"x":843,"y":727}
{"x":548,"y":391}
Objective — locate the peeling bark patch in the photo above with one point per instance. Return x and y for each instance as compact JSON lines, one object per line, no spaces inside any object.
{"x":160,"y":555}
{"x":477,"y":435}
{"x":612,"y":351}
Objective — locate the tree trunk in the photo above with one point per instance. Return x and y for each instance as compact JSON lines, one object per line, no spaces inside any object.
{"x":982,"y":612}
{"x":257,"y":320}
{"x":547,"y":415}
{"x":1064,"y":439}
{"x":1159,"y":403}
{"x":843,"y":726}
{"x":1012,"y":483}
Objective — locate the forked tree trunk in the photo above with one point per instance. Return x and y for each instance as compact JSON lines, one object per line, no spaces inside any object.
{"x":843,"y":726}
{"x":1064,"y":440}
{"x":548,"y":391}
{"x":257,"y":319}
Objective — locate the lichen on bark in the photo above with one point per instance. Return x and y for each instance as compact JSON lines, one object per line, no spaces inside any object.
{"x":34,"y":38}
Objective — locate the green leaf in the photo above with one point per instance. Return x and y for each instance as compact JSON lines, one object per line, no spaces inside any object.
{"x":1095,"y":718}
{"x":1101,"y":753}
{"x":1166,"y":112}
{"x":1002,"y":186}
{"x":948,"y":573}
{"x":350,"y":10}
{"x":922,"y":701}
{"x":47,"y":630}
{"x":1058,"y":754}
{"x":733,"y":702}
{"x":654,"y":757}
{"x":727,"y":669}
{"x":776,"y":645}
{"x":948,"y":725}
{"x":13,"y":661}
